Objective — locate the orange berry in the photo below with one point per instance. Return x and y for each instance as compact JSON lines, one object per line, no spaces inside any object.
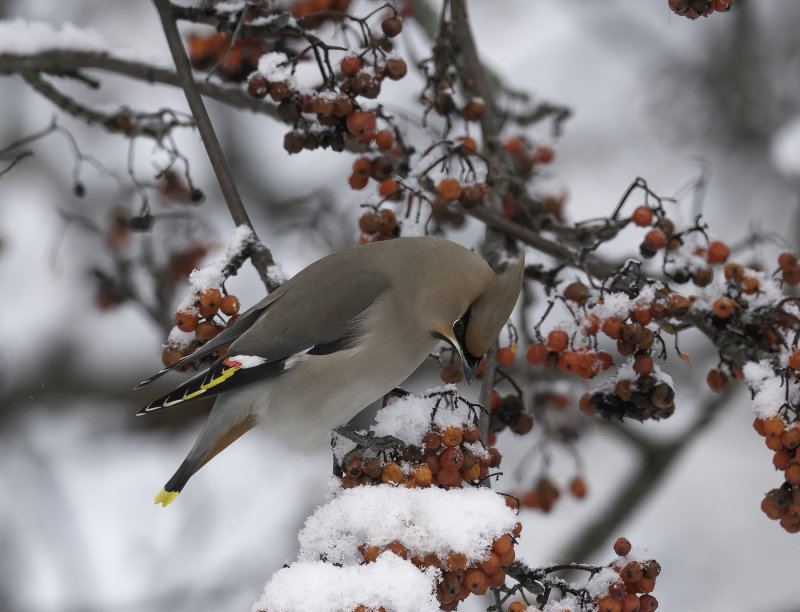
{"x":468,"y":145}
{"x":389,"y":188}
{"x":391,"y":473}
{"x":677,"y":305}
{"x":781,"y":459}
{"x":750,"y":285}
{"x":384,"y":139}
{"x":370,"y":553}
{"x":452,"y":436}
{"x":351,"y":65}
{"x":643,"y":365}
{"x":585,"y":404}
{"x":723,"y":307}
{"x":361,"y":123}
{"x":569,"y":362}
{"x":787,"y":261}
{"x":209,"y":302}
{"x":451,"y":458}
{"x":537,"y":354}
{"x":491,"y":564}
{"x":622,"y":546}
{"x":456,"y":561}
{"x":642,"y":314}
{"x":517,"y":606}
{"x":654,"y":240}
{"x":792,"y":277}
{"x":717,"y":252}
{"x":632,"y":572}
{"x":557,"y":340}
{"x":422,"y":475}
{"x":186,"y":321}
{"x":609,"y":604}
{"x":642,"y":216}
{"x":794,"y":358}
{"x":229,"y":305}
{"x":591,"y":325}
{"x":449,"y":189}
{"x":206,"y":330}
{"x":358,"y":181}
{"x":171,"y":355}
{"x":734,"y":271}
{"x":475,"y":580}
{"x":758,"y":425}
{"x":792,"y":473}
{"x":503,"y":544}
{"x":630,"y":603}
{"x":612,"y":327}
{"x":577,"y":487}
{"x":506,"y":356}
{"x":514,"y":146}
{"x":717,"y":379}
{"x":398,"y":549}
{"x":471,"y":473}
{"x":647,"y":603}
{"x":495,"y":402}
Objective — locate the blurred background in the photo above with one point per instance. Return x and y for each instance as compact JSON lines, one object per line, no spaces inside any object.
{"x":653,"y":95}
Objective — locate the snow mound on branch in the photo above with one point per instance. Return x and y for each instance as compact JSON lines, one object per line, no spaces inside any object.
{"x":390,"y":582}
{"x":769,"y":393}
{"x":424,"y":520}
{"x":409,"y":418}
{"x":20,"y":36}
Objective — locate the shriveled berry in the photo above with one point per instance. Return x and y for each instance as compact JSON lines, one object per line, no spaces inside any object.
{"x":257,"y":86}
{"x":576,"y":292}
{"x":677,"y":305}
{"x":391,"y":473}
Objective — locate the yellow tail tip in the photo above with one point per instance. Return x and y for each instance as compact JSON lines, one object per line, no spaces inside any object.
{"x":165,"y":497}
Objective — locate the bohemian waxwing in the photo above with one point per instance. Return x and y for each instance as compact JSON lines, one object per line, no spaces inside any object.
{"x":339,"y":335}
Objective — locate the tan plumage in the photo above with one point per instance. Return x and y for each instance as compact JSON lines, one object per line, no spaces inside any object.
{"x":339,"y":335}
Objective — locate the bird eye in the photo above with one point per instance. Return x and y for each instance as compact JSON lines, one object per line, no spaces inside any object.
{"x":459,"y":328}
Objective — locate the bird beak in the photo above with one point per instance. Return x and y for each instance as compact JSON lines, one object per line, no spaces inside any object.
{"x":469,"y":371}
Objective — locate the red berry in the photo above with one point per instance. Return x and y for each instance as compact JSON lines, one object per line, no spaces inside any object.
{"x":449,"y":189}
{"x":622,"y":546}
{"x":642,"y":216}
{"x":537,"y":354}
{"x":557,"y":340}
{"x":723,"y":307}
{"x":506,"y":356}
{"x":654,"y":240}
{"x":643,"y":365}
{"x":718,"y":252}
{"x":209,"y":302}
{"x":717,"y":379}
{"x":351,"y":65}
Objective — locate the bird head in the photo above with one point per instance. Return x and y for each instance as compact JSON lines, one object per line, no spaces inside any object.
{"x":483,"y":315}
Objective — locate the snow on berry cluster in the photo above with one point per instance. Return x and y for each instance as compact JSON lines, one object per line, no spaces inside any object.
{"x":404,"y":506}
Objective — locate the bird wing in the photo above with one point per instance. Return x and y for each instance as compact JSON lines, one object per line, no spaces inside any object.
{"x":318,"y":313}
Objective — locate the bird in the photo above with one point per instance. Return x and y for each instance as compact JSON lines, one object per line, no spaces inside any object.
{"x":338,"y":336}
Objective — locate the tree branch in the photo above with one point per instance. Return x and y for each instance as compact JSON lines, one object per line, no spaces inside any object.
{"x":262,"y":257}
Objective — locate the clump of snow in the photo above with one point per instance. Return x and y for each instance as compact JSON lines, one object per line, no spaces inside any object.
{"x":275,"y":66}
{"x":212,"y":275}
{"x":597,"y":585}
{"x":424,"y":520}
{"x":767,"y":387}
{"x":276,"y":274}
{"x":390,"y":582}
{"x":180,"y":338}
{"x":409,"y":418}
{"x":19,"y":36}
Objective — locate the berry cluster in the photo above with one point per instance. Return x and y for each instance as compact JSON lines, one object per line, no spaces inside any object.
{"x":783,"y":504}
{"x":233,"y":60}
{"x":204,"y":318}
{"x":640,"y":398}
{"x":458,"y":579}
{"x":692,"y":9}
{"x":525,"y":156}
{"x":447,"y":458}
{"x":378,"y":225}
{"x":509,"y":411}
{"x":637,"y":579}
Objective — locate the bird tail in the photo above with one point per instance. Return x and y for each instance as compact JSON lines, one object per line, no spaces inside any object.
{"x":219,"y":431}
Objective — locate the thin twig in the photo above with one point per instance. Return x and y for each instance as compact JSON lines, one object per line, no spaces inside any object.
{"x":262,"y":258}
